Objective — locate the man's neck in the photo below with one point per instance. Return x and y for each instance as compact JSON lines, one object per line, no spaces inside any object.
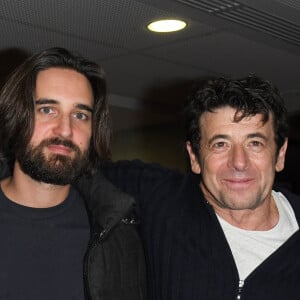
{"x":22,"y":189}
{"x":263,"y":218}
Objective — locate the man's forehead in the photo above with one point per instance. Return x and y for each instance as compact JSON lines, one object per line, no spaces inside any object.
{"x":62,"y":84}
{"x":225,"y":120}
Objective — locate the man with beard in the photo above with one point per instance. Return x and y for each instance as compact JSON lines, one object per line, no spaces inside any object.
{"x":54,"y":128}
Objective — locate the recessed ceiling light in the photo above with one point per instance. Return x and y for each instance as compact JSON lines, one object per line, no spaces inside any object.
{"x":166,"y":25}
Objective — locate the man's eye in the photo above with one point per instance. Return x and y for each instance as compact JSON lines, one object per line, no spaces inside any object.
{"x":81,"y":116}
{"x":219,"y":145}
{"x":46,"y":110}
{"x":256,"y":144}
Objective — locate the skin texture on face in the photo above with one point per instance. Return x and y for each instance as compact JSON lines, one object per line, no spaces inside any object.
{"x":58,"y":150}
{"x":237,"y":161}
{"x":64,"y":103}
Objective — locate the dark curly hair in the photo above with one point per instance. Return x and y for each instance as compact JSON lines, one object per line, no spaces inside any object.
{"x":249,"y":96}
{"x":17,"y":103}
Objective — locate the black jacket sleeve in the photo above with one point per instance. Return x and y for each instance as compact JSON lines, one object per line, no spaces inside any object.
{"x":135,"y":178}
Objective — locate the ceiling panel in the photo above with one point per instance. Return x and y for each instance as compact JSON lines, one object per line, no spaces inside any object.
{"x":229,"y":54}
{"x":127,"y":75}
{"x":252,"y":15}
{"x":114,"y":23}
{"x":14,"y":34}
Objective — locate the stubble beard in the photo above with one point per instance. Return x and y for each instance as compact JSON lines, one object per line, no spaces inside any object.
{"x":225,"y":200}
{"x":54,"y":169}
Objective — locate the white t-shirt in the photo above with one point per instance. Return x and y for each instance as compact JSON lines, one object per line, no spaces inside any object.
{"x":250,"y":248}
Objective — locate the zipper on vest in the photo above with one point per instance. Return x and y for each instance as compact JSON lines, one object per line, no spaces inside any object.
{"x":240,"y":289}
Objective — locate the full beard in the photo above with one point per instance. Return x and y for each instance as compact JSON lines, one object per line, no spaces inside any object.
{"x":54,"y":169}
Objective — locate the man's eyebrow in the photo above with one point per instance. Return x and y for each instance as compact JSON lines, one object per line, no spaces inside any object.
{"x":249,"y":136}
{"x":52,"y":101}
{"x":45,"y":101}
{"x":218,"y":136}
{"x":257,"y":135}
{"x":84,"y":107}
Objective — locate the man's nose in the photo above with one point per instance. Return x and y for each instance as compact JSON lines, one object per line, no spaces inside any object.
{"x":63,"y":126}
{"x":238,"y":158}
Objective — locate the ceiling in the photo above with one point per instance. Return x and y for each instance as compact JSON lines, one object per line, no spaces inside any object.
{"x":148,"y":74}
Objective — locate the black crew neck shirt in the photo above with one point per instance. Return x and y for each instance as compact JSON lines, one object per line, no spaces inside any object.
{"x":42,"y":250}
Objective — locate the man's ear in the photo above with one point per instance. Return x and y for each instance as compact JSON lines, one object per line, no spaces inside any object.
{"x":281,"y":157}
{"x":195,"y":166}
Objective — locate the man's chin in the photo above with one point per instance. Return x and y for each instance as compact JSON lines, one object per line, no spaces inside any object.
{"x":61,"y":176}
{"x":57,"y":172}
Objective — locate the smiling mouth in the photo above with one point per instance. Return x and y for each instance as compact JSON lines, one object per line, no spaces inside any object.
{"x":238,"y":182}
{"x":245,"y":180}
